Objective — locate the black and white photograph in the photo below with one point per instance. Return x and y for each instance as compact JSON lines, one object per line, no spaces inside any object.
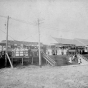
{"x":43,"y":43}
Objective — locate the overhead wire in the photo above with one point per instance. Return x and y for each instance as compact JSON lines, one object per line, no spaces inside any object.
{"x":8,"y":35}
{"x":27,"y":38}
{"x":22,"y":21}
{"x":3,"y":16}
{"x":32,"y":23}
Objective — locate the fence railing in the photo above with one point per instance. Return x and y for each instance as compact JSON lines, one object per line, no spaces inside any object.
{"x":83,"y":57}
{"x":48,"y":59}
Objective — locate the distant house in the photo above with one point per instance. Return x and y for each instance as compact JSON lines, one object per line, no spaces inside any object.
{"x":80,"y":44}
{"x":19,"y":44}
{"x":10,"y":42}
{"x":20,"y":48}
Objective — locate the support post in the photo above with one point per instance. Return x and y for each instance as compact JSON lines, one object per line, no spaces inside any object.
{"x":12,"y":60}
{"x":39,"y":44}
{"x":6,"y":42}
{"x":32,"y":60}
{"x":2,"y":47}
{"x":22,"y":61}
{"x":9,"y":60}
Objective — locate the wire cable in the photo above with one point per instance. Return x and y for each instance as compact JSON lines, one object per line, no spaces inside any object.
{"x":22,"y":21}
{"x":3,"y":16}
{"x":8,"y":35}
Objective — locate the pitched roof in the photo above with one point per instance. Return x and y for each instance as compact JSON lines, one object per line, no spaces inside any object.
{"x":83,"y":41}
{"x":64,"y":41}
{"x":77,"y":42}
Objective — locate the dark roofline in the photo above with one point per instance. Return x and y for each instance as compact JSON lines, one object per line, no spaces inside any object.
{"x":11,"y":42}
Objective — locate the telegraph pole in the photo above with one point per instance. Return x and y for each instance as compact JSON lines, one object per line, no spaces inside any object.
{"x":39,"y":47}
{"x":6,"y":40}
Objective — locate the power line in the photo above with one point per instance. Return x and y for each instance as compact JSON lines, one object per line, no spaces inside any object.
{"x":27,"y":38}
{"x":3,"y":16}
{"x":8,"y":35}
{"x":22,"y":21}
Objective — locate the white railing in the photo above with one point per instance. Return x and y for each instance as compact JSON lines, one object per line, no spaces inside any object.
{"x":82,"y":60}
{"x":48,"y":59}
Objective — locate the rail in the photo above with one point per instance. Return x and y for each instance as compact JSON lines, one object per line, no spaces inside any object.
{"x":50,"y":60}
{"x":83,"y":57}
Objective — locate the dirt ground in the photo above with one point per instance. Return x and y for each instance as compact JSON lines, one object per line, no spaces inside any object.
{"x":45,"y":77}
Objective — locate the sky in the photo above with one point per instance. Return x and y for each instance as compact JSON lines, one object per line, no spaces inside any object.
{"x":58,"y":18}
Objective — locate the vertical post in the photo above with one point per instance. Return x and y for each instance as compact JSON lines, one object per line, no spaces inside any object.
{"x":9,"y":60}
{"x":32,"y":60}
{"x":39,"y":44}
{"x":32,"y":57}
{"x":2,"y":47}
{"x":6,"y":41}
{"x":22,"y":61}
{"x":12,"y":60}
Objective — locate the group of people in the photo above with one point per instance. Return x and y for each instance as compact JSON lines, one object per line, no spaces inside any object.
{"x":56,"y":51}
{"x":75,"y":58}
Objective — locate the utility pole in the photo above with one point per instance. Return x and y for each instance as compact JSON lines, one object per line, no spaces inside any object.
{"x":39,"y":44}
{"x":39,"y":47}
{"x":6,"y":41}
